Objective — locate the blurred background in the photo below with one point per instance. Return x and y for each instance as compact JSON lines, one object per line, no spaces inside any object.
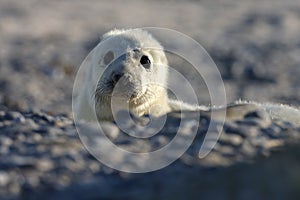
{"x":255,"y":44}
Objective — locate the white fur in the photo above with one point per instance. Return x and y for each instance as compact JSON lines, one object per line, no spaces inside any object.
{"x":115,"y":41}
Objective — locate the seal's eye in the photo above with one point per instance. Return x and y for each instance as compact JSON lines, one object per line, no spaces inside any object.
{"x":145,"y":61}
{"x":109,"y":56}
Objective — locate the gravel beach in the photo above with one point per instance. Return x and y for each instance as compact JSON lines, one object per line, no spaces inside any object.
{"x":256,"y":47}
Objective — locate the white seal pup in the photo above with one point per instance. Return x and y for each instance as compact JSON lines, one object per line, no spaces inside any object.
{"x":131,"y":66}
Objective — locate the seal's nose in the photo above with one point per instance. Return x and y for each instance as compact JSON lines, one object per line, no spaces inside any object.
{"x":116,"y":77}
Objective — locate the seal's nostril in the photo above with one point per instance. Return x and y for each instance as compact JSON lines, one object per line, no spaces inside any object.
{"x":116,"y":77}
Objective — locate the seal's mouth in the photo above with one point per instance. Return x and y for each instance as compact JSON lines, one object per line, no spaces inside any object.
{"x":126,"y":91}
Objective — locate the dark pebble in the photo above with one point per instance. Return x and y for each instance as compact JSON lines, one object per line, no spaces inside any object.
{"x":14,"y":116}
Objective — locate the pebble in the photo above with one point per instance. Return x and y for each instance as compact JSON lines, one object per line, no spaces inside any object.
{"x":242,"y":130}
{"x":214,"y":159}
{"x":33,"y":181}
{"x":247,"y":149}
{"x":4,"y":178}
{"x":2,"y":114}
{"x":227,"y":151}
{"x":94,"y":166}
{"x":45,"y":165}
{"x":37,"y":137}
{"x":111,"y":131}
{"x":258,"y":141}
{"x":21,"y":137}
{"x":15,"y":188}
{"x":4,"y":150}
{"x":30,"y":123}
{"x":261,"y":116}
{"x":16,"y":116}
{"x":274,"y":131}
{"x":158,"y":142}
{"x":234,"y":140}
{"x":5,"y":141}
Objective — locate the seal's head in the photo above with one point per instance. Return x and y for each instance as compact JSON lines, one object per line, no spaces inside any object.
{"x":130,"y":66}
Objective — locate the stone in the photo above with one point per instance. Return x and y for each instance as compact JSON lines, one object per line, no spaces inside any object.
{"x":4,"y":178}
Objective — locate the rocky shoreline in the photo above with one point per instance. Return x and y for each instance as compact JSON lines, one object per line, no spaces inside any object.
{"x":43,"y":157}
{"x":255,"y":45}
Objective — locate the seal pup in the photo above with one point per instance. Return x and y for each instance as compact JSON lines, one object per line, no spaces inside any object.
{"x":131,"y":66}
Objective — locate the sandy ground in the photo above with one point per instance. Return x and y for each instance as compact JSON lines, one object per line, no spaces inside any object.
{"x":255,"y":45}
